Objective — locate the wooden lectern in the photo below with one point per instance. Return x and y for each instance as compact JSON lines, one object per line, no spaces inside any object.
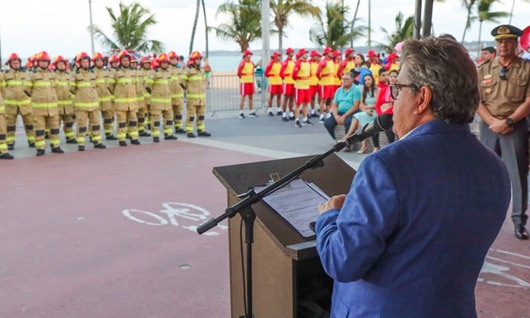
{"x":286,"y":268}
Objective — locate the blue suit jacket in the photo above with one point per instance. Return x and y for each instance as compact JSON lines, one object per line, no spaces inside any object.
{"x":415,"y":228}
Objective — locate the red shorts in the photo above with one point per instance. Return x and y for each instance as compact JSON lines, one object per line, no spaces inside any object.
{"x":326,"y":91}
{"x":313,"y":90}
{"x":276,"y":89}
{"x":288,"y":89}
{"x":246,"y":89}
{"x":302,"y":96}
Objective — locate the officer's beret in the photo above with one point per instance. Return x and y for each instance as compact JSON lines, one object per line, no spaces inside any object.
{"x":506,"y":31}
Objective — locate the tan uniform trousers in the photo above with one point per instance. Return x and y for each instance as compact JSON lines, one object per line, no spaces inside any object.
{"x":141,"y":114}
{"x":196,"y":110}
{"x":66,"y":116}
{"x":3,"y":144}
{"x":107,"y":112}
{"x":46,"y":118}
{"x":12,"y":111}
{"x":167,"y":115}
{"x":124,"y":117}
{"x":178,"y":107}
{"x":92,"y":116}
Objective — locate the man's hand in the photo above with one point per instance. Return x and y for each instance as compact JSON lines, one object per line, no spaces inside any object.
{"x":499,"y":126}
{"x":335,"y":202}
{"x":340,"y":121}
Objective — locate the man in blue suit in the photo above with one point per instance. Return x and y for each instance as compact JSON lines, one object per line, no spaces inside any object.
{"x":410,"y":237}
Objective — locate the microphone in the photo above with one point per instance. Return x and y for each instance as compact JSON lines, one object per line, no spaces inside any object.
{"x":381,"y":123}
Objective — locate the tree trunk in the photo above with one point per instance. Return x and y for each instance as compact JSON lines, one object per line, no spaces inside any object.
{"x":353,"y":22}
{"x":511,"y":12}
{"x":280,"y":39}
{"x":205,"y":28}
{"x":479,"y":47}
{"x":467,"y":23}
{"x":195,"y":25}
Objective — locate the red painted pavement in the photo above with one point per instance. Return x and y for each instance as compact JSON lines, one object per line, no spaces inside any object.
{"x":67,"y":250}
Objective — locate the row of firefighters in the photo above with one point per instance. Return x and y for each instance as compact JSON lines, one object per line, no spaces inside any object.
{"x":135,"y":98}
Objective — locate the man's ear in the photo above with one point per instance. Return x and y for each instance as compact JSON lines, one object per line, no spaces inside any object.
{"x":423,"y":99}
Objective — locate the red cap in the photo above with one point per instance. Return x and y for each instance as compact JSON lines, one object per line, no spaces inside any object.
{"x":276,"y":54}
{"x":392,"y":56}
{"x":328,"y":50}
{"x":315,"y":53}
{"x":297,"y":56}
{"x":247,"y":52}
{"x":349,"y":51}
{"x":289,"y":50}
{"x":302,"y":51}
{"x":371,"y":53}
{"x":336,"y":53}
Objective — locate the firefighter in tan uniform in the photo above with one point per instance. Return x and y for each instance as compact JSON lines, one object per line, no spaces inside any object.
{"x":86,"y":103}
{"x":177,"y":93}
{"x":194,"y":81}
{"x":104,"y":94}
{"x":17,"y":103}
{"x":123,"y":87}
{"x":140,"y":96}
{"x":4,"y":154}
{"x":40,"y":85}
{"x":158,"y":84}
{"x":64,"y":98}
{"x":145,"y":64}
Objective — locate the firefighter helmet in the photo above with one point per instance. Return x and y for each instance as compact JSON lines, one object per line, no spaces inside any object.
{"x":97,"y":56}
{"x":114,"y":59}
{"x":42,"y":56}
{"x":172,"y":55}
{"x":195,"y":55}
{"x":58,"y":59}
{"x":14,"y":56}
{"x":163,"y":58}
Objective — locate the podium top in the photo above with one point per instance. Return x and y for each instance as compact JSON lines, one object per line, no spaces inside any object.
{"x":333,"y":178}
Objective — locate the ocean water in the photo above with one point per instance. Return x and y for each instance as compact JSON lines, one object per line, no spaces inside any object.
{"x":227,"y":62}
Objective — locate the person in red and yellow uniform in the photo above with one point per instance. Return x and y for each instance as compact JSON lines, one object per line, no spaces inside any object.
{"x":86,"y":103}
{"x":63,"y":85}
{"x":39,"y":84}
{"x":314,"y":88}
{"x":272,"y":72}
{"x":288,"y":85}
{"x":374,"y":65}
{"x":326,"y":75}
{"x":4,"y":154}
{"x":302,"y":75}
{"x":347,"y":64}
{"x":17,"y":103}
{"x":391,"y":63}
{"x":245,"y":72}
{"x":337,"y":82}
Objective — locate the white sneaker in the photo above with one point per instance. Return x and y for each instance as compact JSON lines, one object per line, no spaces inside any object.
{"x":252,"y":115}
{"x":241,"y":116}
{"x":297,"y":124}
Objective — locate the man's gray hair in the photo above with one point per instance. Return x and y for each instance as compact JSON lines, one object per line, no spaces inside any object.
{"x":443,"y":65}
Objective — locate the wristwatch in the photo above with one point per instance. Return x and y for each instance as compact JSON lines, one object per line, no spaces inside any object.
{"x":510,"y":122}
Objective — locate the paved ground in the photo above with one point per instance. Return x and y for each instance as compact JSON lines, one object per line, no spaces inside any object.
{"x":109,"y":233}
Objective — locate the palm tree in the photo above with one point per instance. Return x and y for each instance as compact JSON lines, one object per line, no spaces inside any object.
{"x":332,"y":29}
{"x":245,"y":22}
{"x":283,"y":9}
{"x":468,"y":4}
{"x":511,"y":11}
{"x":484,"y":14}
{"x":130,"y":29}
{"x":197,"y":10}
{"x":404,"y":30}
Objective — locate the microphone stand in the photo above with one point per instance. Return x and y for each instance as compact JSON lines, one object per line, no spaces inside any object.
{"x":244,"y":208}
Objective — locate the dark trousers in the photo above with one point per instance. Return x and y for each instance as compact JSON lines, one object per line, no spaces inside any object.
{"x":330,"y":124}
{"x":390,"y":136}
{"x":513,"y":149}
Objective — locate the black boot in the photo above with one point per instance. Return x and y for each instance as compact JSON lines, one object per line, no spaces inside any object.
{"x":156,"y":139}
{"x":81,"y":148}
{"x":6,"y":156}
{"x":40,"y":152}
{"x":135,"y":142}
{"x":100,"y":146}
{"x":170,"y":137}
{"x":144,"y":134}
{"x":110,"y":137}
{"x":11,"y":147}
{"x":179,"y":131}
{"x":203,"y":134}
{"x":123,"y":143}
{"x":71,"y":141}
{"x":31,"y":144}
{"x":57,"y":150}
{"x":191,"y":135}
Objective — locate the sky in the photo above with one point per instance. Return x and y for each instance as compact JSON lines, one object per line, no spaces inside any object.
{"x":61,"y":26}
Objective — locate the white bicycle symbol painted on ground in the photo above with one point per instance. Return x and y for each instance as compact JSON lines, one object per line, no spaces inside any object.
{"x":171,"y":211}
{"x":499,"y":275}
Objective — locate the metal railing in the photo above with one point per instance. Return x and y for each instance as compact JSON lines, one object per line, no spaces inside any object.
{"x":222,"y":93}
